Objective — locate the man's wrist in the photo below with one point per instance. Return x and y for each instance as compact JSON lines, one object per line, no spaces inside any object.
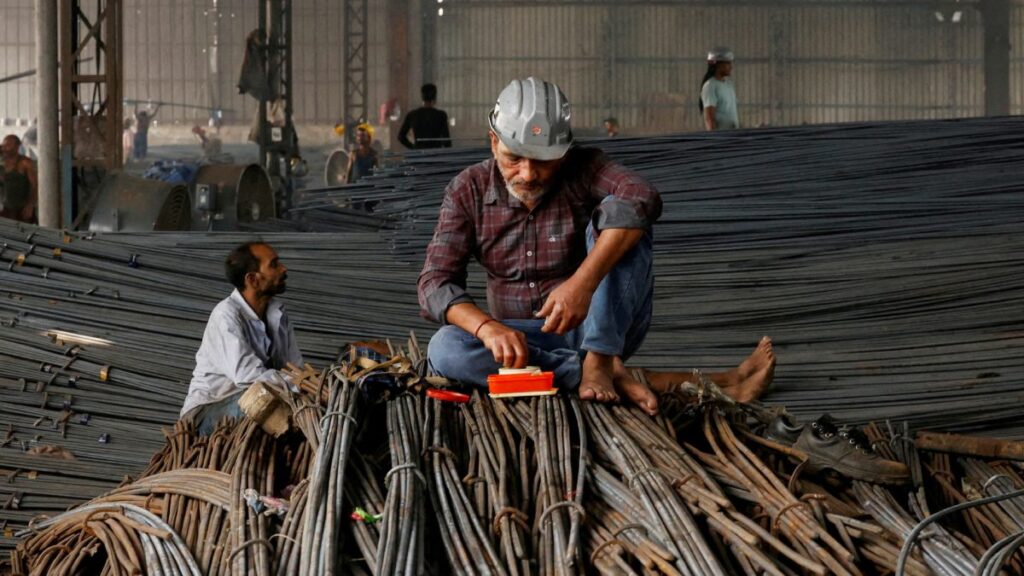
{"x":485,"y":322}
{"x":585,"y":281}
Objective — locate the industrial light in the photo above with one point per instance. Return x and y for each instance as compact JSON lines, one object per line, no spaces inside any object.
{"x":939,"y":16}
{"x":440,"y":11}
{"x":957,"y":16}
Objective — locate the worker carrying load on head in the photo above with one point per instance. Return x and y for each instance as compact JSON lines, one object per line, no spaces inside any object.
{"x":717,"y":94}
{"x":565,"y":236}
{"x":248,"y":338}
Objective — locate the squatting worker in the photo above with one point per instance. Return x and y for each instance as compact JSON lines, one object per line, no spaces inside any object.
{"x":717,"y":94}
{"x":565,"y":237}
{"x":19,"y":185}
{"x":247,"y":339}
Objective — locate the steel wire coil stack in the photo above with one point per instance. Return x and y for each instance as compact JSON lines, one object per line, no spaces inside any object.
{"x":883,"y":259}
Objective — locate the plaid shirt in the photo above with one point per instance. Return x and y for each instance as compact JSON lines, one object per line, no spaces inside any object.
{"x":526,"y":254}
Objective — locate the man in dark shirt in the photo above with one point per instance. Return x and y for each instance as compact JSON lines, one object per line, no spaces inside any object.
{"x":143,"y":119}
{"x":565,"y":237}
{"x":19,"y":187}
{"x":428,"y":124}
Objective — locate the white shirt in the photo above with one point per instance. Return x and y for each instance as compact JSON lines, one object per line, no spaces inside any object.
{"x":721,"y":95}
{"x":238,"y":349}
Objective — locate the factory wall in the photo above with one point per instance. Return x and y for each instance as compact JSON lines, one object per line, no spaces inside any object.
{"x":17,"y":54}
{"x":797,"y":62}
{"x":189,"y":52}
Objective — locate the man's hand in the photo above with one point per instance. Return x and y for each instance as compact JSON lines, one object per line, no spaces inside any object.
{"x":507,"y":345}
{"x":566,"y":307}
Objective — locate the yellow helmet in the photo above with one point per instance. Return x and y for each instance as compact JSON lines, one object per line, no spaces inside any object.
{"x":339,"y":128}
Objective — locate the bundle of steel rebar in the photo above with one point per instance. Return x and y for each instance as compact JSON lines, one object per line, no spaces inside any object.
{"x":400,"y":549}
{"x":883,"y":259}
{"x":324,"y":520}
{"x":656,"y":499}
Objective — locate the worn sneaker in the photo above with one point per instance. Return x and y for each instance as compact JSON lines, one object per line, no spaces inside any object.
{"x":847,"y":451}
{"x":783,"y":429}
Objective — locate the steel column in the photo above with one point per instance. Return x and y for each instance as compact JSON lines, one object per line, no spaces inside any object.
{"x":996,"y":17}
{"x":354,"y":65}
{"x":48,"y":89}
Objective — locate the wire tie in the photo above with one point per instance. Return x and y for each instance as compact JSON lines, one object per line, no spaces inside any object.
{"x":563,"y":504}
{"x":984,"y":487}
{"x":632,"y":478}
{"x":515,"y":514}
{"x":602,"y":546}
{"x":410,"y":466}
{"x":337,"y":413}
{"x":787,"y":508}
{"x":626,"y":527}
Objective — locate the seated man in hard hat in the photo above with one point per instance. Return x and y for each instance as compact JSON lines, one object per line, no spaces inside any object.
{"x":247,"y":339}
{"x":565,"y":237}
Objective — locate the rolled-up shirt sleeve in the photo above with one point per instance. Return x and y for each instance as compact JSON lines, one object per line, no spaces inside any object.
{"x":442,"y":283}
{"x":636,"y":203}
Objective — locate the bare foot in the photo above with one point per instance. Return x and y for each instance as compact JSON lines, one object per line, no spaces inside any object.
{"x":745,"y":383}
{"x":634,"y":390}
{"x":666,"y":382}
{"x":597,"y":382}
{"x":754,"y":374}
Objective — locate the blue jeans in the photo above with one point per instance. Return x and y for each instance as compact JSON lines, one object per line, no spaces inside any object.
{"x":208,"y":416}
{"x":140,"y":145}
{"x":618,"y":320}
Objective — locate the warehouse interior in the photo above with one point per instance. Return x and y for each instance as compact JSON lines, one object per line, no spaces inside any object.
{"x":820,"y":369}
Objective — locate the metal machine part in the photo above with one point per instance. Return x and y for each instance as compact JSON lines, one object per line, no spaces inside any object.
{"x":227,"y":195}
{"x":129,"y":204}
{"x":336,"y":167}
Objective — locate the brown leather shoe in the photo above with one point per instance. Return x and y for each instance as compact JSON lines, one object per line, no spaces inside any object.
{"x":847,"y":451}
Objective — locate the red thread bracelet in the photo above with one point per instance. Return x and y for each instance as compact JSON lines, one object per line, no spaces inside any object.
{"x":477,"y":331}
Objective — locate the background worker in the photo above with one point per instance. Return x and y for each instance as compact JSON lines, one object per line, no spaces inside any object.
{"x":362,"y":159}
{"x":428,"y":124}
{"x":143,"y":119}
{"x":19,"y":186}
{"x":717,"y":94}
{"x":611,"y":127}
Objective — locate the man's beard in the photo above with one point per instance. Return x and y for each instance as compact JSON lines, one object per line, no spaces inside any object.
{"x":531,"y":197}
{"x":276,"y":289}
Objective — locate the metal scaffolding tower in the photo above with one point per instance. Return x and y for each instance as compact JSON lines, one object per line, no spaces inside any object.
{"x":277,"y":138}
{"x":356,"y":15}
{"x":91,"y":107}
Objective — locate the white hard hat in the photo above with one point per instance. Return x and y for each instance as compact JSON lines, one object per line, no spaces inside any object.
{"x":720,"y":54}
{"x":531,"y":118}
